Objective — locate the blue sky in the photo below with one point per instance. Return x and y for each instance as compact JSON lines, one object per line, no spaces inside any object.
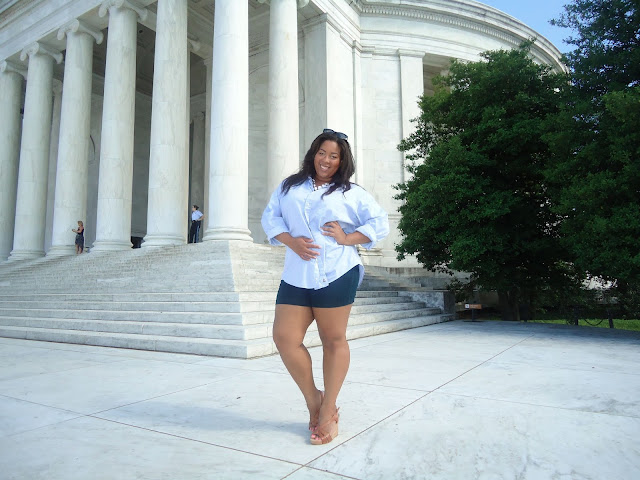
{"x":536,"y":14}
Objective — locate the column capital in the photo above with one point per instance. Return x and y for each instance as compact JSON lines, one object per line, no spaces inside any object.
{"x":75,"y":26}
{"x":108,"y":4}
{"x":42,"y":49}
{"x":301,"y":3}
{"x":10,"y":67}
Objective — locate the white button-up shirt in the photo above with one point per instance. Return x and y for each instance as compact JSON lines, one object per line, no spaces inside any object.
{"x":301,"y":213}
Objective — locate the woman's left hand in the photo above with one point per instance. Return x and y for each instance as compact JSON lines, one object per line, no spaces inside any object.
{"x":333,"y":229}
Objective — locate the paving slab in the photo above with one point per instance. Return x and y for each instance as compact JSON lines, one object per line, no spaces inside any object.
{"x":91,"y":448}
{"x":449,"y":437}
{"x":262,"y":412}
{"x":454,"y":401}
{"x":96,"y":388}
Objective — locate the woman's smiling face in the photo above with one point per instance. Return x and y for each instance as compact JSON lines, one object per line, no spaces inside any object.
{"x":326,"y":161}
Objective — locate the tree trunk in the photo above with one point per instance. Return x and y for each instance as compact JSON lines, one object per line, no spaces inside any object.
{"x":509,"y":305}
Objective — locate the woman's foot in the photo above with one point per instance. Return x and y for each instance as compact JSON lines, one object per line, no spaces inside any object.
{"x":327,"y":431}
{"x":314,"y":410}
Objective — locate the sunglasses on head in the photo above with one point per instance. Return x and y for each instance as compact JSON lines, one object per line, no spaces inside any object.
{"x":340,"y":135}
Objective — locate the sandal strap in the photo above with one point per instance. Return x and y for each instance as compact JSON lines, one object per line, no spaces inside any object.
{"x":328,"y":436}
{"x":316,"y":416}
{"x":334,"y":418}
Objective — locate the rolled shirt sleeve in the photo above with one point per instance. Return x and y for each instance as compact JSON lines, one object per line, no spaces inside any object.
{"x":375,"y":221}
{"x":272,"y":221}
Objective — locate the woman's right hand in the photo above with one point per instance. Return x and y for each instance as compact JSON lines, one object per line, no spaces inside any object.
{"x":302,"y":246}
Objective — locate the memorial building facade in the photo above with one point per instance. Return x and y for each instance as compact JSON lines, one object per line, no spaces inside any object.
{"x":124,"y":113}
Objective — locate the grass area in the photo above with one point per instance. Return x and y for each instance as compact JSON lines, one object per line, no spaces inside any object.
{"x":617,"y":323}
{"x":620,"y":324}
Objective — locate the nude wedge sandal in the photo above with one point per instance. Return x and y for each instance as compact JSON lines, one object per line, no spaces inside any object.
{"x":322,"y":432}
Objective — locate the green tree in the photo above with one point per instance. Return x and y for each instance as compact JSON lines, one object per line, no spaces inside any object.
{"x":595,"y":175}
{"x":477,"y":200}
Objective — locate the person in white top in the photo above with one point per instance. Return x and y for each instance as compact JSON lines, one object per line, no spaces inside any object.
{"x":196,"y":221}
{"x":320,"y":216}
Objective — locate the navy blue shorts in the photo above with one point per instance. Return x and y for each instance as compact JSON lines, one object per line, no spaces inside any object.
{"x":338,"y":293}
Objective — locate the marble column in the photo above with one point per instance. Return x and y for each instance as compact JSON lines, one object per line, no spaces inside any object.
{"x":31,"y":198}
{"x":197,"y":161}
{"x":283,"y":132}
{"x":228,"y":208}
{"x":356,"y":141}
{"x":11,"y":78}
{"x":411,"y":89}
{"x":115,"y":178}
{"x":73,"y":164}
{"x":207,"y":141}
{"x":168,"y":154}
{"x":53,"y":161}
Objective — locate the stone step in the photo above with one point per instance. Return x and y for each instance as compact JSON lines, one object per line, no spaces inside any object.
{"x":197,"y":346}
{"x":205,"y":318}
{"x":312,"y":338}
{"x":161,"y":307}
{"x":394,"y":310}
{"x":142,"y":297}
{"x":204,"y":346}
{"x":228,"y":332}
{"x":362,"y":296}
{"x":364,"y":304}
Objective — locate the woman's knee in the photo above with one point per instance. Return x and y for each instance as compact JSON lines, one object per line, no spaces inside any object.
{"x":285,"y":338}
{"x":334,"y":343}
{"x":281,"y":339}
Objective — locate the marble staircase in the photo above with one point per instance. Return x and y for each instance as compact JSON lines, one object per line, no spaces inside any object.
{"x":213,"y":298}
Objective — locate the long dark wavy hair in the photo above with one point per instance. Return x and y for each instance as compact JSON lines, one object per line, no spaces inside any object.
{"x":346,"y":169}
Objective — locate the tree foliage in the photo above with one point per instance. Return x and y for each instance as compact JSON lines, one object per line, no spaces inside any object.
{"x":595,"y":175}
{"x":477,"y":201}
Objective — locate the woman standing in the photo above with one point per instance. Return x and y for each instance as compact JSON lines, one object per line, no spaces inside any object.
{"x":79,"y":237}
{"x":320,"y":216}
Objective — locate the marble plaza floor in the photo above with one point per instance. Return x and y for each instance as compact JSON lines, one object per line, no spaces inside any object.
{"x":461,"y":400}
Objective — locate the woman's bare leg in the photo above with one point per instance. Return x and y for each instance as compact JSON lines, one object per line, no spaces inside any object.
{"x":289,"y":327}
{"x":332,"y":327}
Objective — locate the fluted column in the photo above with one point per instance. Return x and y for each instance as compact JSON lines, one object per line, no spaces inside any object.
{"x":169,"y":157}
{"x":411,"y":89}
{"x":282,"y":148}
{"x":228,"y":208}
{"x":197,"y":161}
{"x":71,"y":173}
{"x":115,"y":180}
{"x":53,"y":161}
{"x":207,"y":142}
{"x":31,"y":199}
{"x":11,"y":78}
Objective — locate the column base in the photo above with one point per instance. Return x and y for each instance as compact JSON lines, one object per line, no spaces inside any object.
{"x":371,"y":257}
{"x":61,"y":251}
{"x":25,"y":255}
{"x":162,"y":241}
{"x":221,"y":233}
{"x":110,"y":246}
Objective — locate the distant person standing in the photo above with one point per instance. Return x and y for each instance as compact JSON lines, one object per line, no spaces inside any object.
{"x":196,"y":221}
{"x":79,"y":237}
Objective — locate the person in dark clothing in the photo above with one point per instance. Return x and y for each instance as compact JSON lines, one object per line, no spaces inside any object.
{"x":196,"y":221}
